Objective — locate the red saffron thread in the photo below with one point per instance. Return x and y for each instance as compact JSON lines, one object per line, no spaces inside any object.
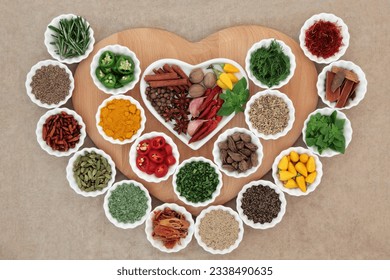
{"x":323,"y":39}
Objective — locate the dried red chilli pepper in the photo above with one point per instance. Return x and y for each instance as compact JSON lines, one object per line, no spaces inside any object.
{"x":323,"y":38}
{"x":205,"y":130}
{"x":216,"y":90}
{"x":207,"y":109}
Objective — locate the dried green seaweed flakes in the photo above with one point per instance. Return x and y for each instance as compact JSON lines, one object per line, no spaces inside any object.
{"x":127,"y":203}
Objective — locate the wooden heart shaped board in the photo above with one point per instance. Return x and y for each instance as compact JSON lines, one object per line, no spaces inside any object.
{"x":232,"y":43}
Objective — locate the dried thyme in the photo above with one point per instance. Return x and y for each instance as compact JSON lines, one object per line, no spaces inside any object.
{"x":269,"y":114}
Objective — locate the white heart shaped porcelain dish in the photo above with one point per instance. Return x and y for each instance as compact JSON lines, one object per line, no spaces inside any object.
{"x":291,"y":112}
{"x":347,"y":131}
{"x":117,"y":141}
{"x":133,"y":156}
{"x":297,"y":191}
{"x":52,"y":49}
{"x":325,"y":17}
{"x":116,"y":49}
{"x":198,"y":237}
{"x":217,"y":154}
{"x":265,"y":43}
{"x":31,"y":74}
{"x":187,"y":69}
{"x":183,"y":241}
{"x":46,"y":147}
{"x":72,"y":180}
{"x":245,"y":218}
{"x":360,"y":90}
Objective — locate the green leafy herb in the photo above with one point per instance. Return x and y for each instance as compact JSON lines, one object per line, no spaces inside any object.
{"x":71,"y":37}
{"x":270,"y":65}
{"x":235,"y":99}
{"x":326,"y":132}
{"x":197,"y":181}
{"x":127,"y":203}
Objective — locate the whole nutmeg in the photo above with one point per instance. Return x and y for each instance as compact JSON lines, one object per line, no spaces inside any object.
{"x":196,"y":76}
{"x":196,"y":90}
{"x":209,"y":80}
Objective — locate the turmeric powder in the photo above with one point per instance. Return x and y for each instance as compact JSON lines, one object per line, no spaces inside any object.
{"x":120,"y":119}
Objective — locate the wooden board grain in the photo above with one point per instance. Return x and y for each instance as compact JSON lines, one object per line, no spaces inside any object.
{"x":233,"y":43}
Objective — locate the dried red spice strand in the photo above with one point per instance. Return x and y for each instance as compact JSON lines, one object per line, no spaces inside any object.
{"x":323,"y":39}
{"x":61,"y":132}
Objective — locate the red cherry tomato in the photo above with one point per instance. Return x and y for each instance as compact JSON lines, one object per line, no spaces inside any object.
{"x":170,"y":160}
{"x":142,"y":163}
{"x":161,"y":170}
{"x":158,"y":142}
{"x":156,"y":156}
{"x":168,"y":149}
{"x":143,"y":147}
{"x":151,"y":168}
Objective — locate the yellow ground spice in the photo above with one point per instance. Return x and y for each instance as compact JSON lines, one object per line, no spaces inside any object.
{"x":120,"y":119}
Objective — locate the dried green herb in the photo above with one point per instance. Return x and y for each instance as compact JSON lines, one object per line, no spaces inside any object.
{"x":197,"y":181}
{"x":127,"y":203}
{"x":270,"y":65}
{"x":326,"y":132}
{"x":71,"y":37}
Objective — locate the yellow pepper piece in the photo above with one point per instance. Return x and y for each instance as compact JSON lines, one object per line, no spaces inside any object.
{"x":303,"y":158}
{"x":291,"y":184}
{"x":285,"y":175}
{"x":311,"y":164}
{"x":292,"y":169}
{"x":294,"y":156}
{"x":232,"y":78}
{"x":221,"y":85}
{"x":283,"y":163}
{"x":301,"y":183}
{"x":229,"y":68}
{"x":311,"y":177}
{"x":226,"y":80}
{"x":301,"y":168}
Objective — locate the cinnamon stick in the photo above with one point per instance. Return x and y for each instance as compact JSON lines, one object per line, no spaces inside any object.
{"x":161,"y":77}
{"x":345,"y":93}
{"x":330,"y":95}
{"x":167,"y":83}
{"x":349,"y":74}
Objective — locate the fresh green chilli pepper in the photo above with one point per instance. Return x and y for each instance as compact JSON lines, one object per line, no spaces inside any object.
{"x":125,"y":65}
{"x":99,"y":74}
{"x":106,"y":70}
{"x":109,"y":81}
{"x":107,"y":59}
{"x":126,"y":79}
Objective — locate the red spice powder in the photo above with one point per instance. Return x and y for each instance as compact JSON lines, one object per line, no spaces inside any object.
{"x":323,"y":39}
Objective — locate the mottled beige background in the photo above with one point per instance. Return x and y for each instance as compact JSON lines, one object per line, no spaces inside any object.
{"x":347,"y":217}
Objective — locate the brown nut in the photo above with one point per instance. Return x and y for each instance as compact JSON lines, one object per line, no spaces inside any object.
{"x":251,"y":146}
{"x":228,"y":168}
{"x":246,"y":138}
{"x":196,"y":90}
{"x":196,"y":76}
{"x":240,"y":145}
{"x":209,"y":80}
{"x":223,"y":145}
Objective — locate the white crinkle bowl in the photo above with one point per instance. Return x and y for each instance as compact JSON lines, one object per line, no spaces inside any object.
{"x":42,"y":142}
{"x":52,"y":49}
{"x":245,"y":218}
{"x":330,"y":18}
{"x":121,"y":50}
{"x":158,"y":243}
{"x":71,"y":176}
{"x":32,"y":73}
{"x":291,"y":110}
{"x":347,"y":131}
{"x":265,"y":43}
{"x":198,"y":237}
{"x":360,"y":90}
{"x":217,"y":154}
